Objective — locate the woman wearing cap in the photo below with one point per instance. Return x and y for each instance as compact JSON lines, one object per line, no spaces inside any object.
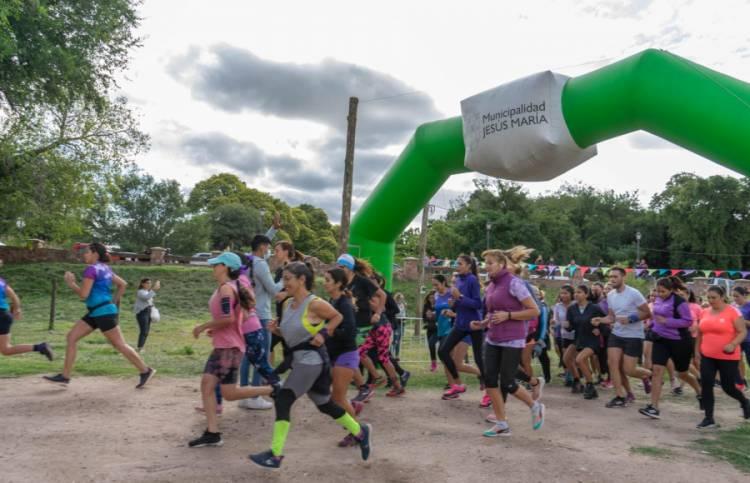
{"x":96,"y":291}
{"x":227,"y":305}
{"x":8,"y":313}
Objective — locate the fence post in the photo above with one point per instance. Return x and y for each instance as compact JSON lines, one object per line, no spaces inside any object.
{"x":53,"y":303}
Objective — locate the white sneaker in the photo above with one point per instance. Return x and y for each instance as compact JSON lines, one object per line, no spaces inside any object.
{"x":256,"y":403}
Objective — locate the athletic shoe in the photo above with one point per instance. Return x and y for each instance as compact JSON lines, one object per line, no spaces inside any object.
{"x":576,"y":388}
{"x":647,"y":385}
{"x":207,"y":439}
{"x":358,"y":407}
{"x":145,"y":377}
{"x":46,"y":351}
{"x":486,"y":401}
{"x":746,"y":409}
{"x":707,"y":423}
{"x":630,"y":398}
{"x":267,"y":460}
{"x":446,"y":387}
{"x":405,"y":378}
{"x":396,"y":392}
{"x":257,"y":403}
{"x":433,"y":366}
{"x":700,"y":401}
{"x":537,"y":415}
{"x":536,"y":391}
{"x":607,"y":384}
{"x":491,"y":418}
{"x":677,"y":391}
{"x":348,"y":441}
{"x":617,"y":402}
{"x":740,"y":387}
{"x":590,"y":392}
{"x":365,"y":441}
{"x":58,"y":378}
{"x":454,"y":391}
{"x":650,"y":412}
{"x":219,"y":409}
{"x":497,"y":432}
{"x":364,"y":395}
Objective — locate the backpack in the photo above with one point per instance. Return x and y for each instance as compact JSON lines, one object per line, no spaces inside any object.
{"x":684,"y":331}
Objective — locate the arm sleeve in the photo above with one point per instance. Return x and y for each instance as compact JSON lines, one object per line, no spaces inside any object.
{"x":471,"y":299}
{"x":263,"y":276}
{"x":685,"y":320}
{"x":145,"y":295}
{"x":271,"y":233}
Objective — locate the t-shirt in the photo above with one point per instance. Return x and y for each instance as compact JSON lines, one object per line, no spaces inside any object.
{"x":580,"y":321}
{"x":745,"y":311}
{"x":717,"y":330}
{"x":101,"y":290}
{"x":362,"y":290}
{"x":625,"y":304}
{"x":560,"y":312}
{"x":444,"y":323}
{"x":344,"y":338}
{"x":230,"y":336}
{"x":3,"y":297}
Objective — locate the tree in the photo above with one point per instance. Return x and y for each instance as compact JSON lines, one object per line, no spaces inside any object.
{"x":233,"y":226}
{"x":190,"y":236}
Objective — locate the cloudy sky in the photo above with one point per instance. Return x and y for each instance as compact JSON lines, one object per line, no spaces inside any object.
{"x":261,"y":89}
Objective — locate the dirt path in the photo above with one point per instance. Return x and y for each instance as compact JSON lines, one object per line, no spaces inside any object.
{"x":101,"y":429}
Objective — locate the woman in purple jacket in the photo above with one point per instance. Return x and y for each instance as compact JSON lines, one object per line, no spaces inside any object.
{"x":466,"y":304}
{"x":508,"y":308}
{"x":671,"y":340}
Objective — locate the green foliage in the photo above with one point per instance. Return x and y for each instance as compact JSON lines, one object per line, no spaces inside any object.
{"x":233,"y":226}
{"x":190,"y":236}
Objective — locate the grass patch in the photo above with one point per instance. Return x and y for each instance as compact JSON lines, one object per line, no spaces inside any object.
{"x":732,"y":446}
{"x":653,"y":451}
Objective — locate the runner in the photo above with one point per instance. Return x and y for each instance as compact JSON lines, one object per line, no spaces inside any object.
{"x":342,"y":346}
{"x":740,"y":296}
{"x":429,"y":320}
{"x":671,"y":340}
{"x":508,"y":305}
{"x":542,"y":335}
{"x":9,"y":312}
{"x":96,"y":291}
{"x":227,"y":305}
{"x":581,"y":316}
{"x":600,"y":292}
{"x":568,"y":335}
{"x":627,"y":311}
{"x":283,"y":253}
{"x":721,"y":330}
{"x":304,"y":330}
{"x":144,"y":302}
{"x":466,"y":302}
{"x":564,"y":338}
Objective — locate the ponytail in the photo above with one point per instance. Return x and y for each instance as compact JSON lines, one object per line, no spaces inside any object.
{"x":472,"y":264}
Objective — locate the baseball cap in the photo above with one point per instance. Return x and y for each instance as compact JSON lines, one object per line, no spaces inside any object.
{"x":346,"y":260}
{"x":231,"y":260}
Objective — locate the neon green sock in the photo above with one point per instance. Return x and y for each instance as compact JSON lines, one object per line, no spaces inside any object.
{"x":280,"y":431}
{"x":350,"y":424}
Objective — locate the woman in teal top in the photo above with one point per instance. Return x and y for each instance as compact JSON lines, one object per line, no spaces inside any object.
{"x":10,"y":311}
{"x":96,"y":291}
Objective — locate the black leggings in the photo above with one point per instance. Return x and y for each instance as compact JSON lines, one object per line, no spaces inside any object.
{"x":286,"y":398}
{"x":545,"y":362}
{"x":144,"y":324}
{"x":432,"y":344}
{"x":452,"y":339}
{"x":603,"y":362}
{"x":727,"y":373}
{"x":501,"y":364}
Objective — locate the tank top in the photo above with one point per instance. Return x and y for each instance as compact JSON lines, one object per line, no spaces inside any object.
{"x":717,"y":330}
{"x":231,"y":336}
{"x":3,"y":298}
{"x":296,"y":328}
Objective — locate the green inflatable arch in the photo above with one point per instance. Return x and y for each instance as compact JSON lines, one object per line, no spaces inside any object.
{"x":690,"y":105}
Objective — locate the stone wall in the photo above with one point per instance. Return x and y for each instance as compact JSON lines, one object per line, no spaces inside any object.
{"x":26,"y":255}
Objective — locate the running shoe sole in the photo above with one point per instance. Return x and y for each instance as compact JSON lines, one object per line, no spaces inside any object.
{"x":148,"y":378}
{"x":203,"y":445}
{"x":494,"y":434}
{"x":649,"y":415}
{"x":538,"y":425}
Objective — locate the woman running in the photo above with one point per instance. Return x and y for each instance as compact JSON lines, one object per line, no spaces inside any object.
{"x":304,"y":330}
{"x":581,"y":316}
{"x":342,"y":346}
{"x":720,"y":333}
{"x":740,"y":296}
{"x":671,"y":339}
{"x":543,"y":336}
{"x":429,"y":320}
{"x":568,"y":338}
{"x":508,"y":305}
{"x":144,"y":301}
{"x":466,"y":304}
{"x":228,"y":305}
{"x":9,"y":312}
{"x":102,"y":313}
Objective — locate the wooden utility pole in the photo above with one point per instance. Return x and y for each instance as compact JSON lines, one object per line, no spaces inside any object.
{"x":422,"y":254}
{"x":53,"y":305}
{"x":346,"y":203}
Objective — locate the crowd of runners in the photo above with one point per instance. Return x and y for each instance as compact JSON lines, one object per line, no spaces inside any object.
{"x":605,"y":336}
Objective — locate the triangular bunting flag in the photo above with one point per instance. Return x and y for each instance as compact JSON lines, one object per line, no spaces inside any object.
{"x":718,"y":272}
{"x":663,"y":271}
{"x":584,"y":270}
{"x":675,"y":271}
{"x":541,"y":267}
{"x":551,"y":269}
{"x":707,"y":273}
{"x":652,"y":271}
{"x":732,"y":273}
{"x":744,"y":274}
{"x":688,"y":272}
{"x":605,"y":270}
{"x":628,"y":270}
{"x":531,"y":267}
{"x":573,"y":269}
{"x":639,"y":271}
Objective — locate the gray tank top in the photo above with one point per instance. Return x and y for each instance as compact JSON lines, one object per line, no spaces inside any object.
{"x":296,"y":329}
